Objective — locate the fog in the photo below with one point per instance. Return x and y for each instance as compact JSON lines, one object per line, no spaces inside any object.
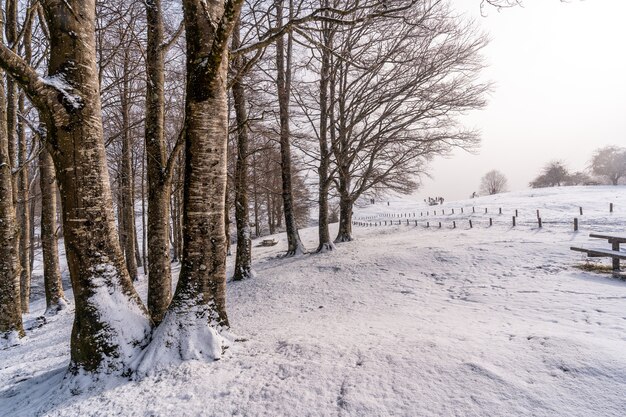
{"x":558,"y":70}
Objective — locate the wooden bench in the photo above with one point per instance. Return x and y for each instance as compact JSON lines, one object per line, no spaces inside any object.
{"x":613,"y":253}
{"x":268,"y":242}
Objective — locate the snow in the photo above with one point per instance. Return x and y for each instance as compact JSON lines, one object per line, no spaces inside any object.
{"x":403,"y":321}
{"x":125,"y":324}
{"x":59,"y":82}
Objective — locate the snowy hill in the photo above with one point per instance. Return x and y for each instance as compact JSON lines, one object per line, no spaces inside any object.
{"x":403,"y":321}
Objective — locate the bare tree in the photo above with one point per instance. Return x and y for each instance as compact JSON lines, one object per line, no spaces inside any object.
{"x":396,"y":89}
{"x":493,"y":182}
{"x":609,"y":162}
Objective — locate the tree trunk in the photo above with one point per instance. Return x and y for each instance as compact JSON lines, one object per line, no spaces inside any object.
{"x":10,"y":301}
{"x":345,"y":219}
{"x":127,"y":198}
{"x":111,"y":324}
{"x":243,"y":258}
{"x":191,"y":327}
{"x":55,"y":298}
{"x":23,"y":209}
{"x":159,"y":180}
{"x":283,"y":83}
{"x":325,"y":243}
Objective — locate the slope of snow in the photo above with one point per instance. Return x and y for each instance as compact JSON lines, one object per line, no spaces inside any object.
{"x":403,"y":321}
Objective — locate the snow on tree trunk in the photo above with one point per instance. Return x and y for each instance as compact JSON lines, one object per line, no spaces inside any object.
{"x":192,"y":326}
{"x":55,"y":298}
{"x":111,"y":324}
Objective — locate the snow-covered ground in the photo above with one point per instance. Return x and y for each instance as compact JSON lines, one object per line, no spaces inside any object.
{"x":404,"y":321}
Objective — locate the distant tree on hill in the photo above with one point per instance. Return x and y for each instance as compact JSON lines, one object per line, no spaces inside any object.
{"x":493,"y":182}
{"x":553,"y":174}
{"x":610,"y":163}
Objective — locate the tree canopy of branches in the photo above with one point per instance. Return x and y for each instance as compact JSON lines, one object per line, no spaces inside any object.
{"x":609,"y":163}
{"x":396,"y":87}
{"x":493,"y":182}
{"x":553,"y":174}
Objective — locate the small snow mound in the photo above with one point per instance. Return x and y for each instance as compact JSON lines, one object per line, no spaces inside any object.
{"x":185,"y":334}
{"x":10,"y":339}
{"x":125,"y":324}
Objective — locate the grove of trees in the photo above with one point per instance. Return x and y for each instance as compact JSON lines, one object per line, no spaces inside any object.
{"x":158,"y":124}
{"x":606,"y":166}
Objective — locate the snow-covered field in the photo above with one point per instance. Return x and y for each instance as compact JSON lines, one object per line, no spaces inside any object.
{"x":404,"y":321}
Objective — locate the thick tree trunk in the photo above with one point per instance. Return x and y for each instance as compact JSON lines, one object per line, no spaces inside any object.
{"x":283,"y":83}
{"x":191,"y":327}
{"x":55,"y":298}
{"x":111,"y":324}
{"x":243,"y":258}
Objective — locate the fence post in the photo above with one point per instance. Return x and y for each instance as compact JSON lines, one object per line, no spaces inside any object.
{"x":452,"y":211}
{"x":538,"y":213}
{"x":575,"y":224}
{"x":471,"y":223}
{"x":539,"y":221}
{"x":473,"y":209}
{"x":485,"y":210}
{"x":500,"y":210}
{"x":513,"y":221}
{"x":440,"y":225}
{"x":416,"y":223}
{"x":515,"y":213}
{"x":427,"y":224}
{"x":461,"y":210}
{"x":454,"y":224}
{"x":581,"y":210}
{"x":490,"y":221}
{"x":610,"y":207}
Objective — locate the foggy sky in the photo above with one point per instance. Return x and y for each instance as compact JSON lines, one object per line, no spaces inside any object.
{"x":559,"y":92}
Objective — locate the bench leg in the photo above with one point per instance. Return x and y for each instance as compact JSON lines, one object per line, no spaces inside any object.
{"x":615,"y":260}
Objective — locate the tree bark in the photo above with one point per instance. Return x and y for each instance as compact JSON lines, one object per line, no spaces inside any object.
{"x":283,"y":83}
{"x":345,"y":217}
{"x":55,"y":298}
{"x":243,"y":258}
{"x":159,"y":179}
{"x":10,"y":300}
{"x":325,"y":243}
{"x":111,"y":324}
{"x":191,"y":327}
{"x":128,"y":235}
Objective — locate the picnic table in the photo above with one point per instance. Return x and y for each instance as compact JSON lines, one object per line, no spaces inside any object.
{"x":615,"y":253}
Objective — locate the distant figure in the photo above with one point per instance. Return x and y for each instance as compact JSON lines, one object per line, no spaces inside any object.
{"x":474,"y":195}
{"x":387,"y":202}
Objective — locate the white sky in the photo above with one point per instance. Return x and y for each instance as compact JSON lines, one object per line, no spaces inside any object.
{"x":560,"y":92}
